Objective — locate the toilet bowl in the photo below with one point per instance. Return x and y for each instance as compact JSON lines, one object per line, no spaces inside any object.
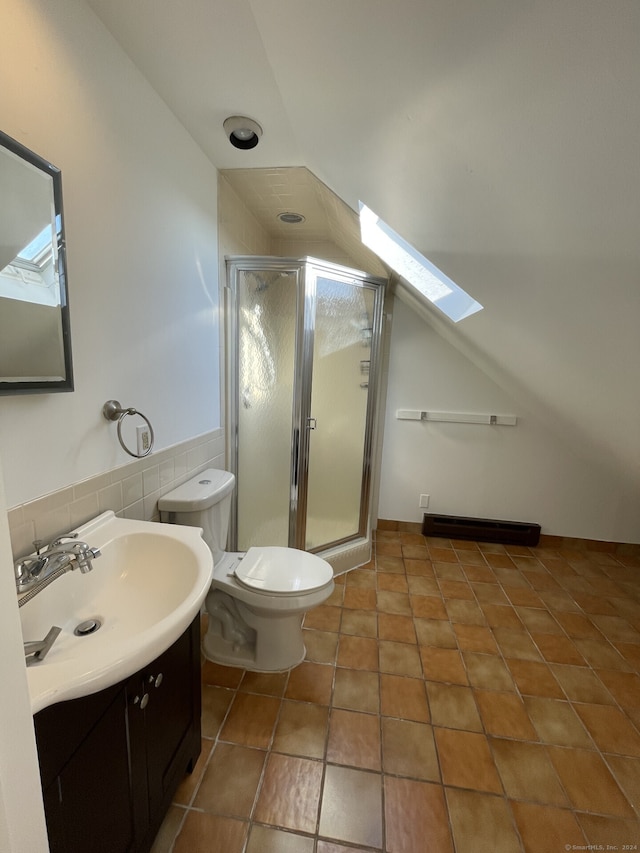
{"x":257,"y":600}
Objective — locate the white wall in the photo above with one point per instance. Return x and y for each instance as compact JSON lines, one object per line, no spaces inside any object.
{"x":523,"y":473}
{"x":141,"y":227}
{"x":22,"y":826}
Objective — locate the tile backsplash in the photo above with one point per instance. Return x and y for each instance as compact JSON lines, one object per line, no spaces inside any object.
{"x":131,"y":491}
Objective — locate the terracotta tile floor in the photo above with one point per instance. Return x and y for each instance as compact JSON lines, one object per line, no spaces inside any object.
{"x":456,"y":696}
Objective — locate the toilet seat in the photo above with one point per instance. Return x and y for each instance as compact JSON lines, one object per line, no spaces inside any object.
{"x":276,"y":570}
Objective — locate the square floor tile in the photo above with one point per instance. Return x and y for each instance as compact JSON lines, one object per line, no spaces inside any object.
{"x":435,"y":632}
{"x":393,"y":626}
{"x":556,"y":722}
{"x":321,"y":646}
{"x":251,"y":720}
{"x":581,"y":684}
{"x":475,"y":638}
{"x":358,"y":652}
{"x":408,"y":749}
{"x":310,"y":682}
{"x":202,"y":832}
{"x":403,"y":697}
{"x":443,"y":665}
{"x":360,"y":598}
{"x":361,"y":623}
{"x":399,"y":658}
{"x":578,"y":769}
{"x":626,"y":772}
{"x":504,"y":715}
{"x":351,"y":807}
{"x":488,"y":672}
{"x":301,"y":729}
{"x":416,"y":817}
{"x":356,"y":690}
{"x":428,"y":606}
{"x":527,"y":772}
{"x":354,"y":739}
{"x":230,"y":781}
{"x":393,"y":602}
{"x":545,"y":829}
{"x":276,"y":806}
{"x":610,"y":833}
{"x":558,"y":649}
{"x":476,"y":816}
{"x":264,"y":839}
{"x":466,"y":761}
{"x":453,"y":706}
{"x":516,"y":643}
{"x":624,"y":686}
{"x":610,"y":729}
{"x":391,"y":583}
{"x":535,"y":678}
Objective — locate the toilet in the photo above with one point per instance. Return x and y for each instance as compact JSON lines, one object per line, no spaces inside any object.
{"x":257,"y":599}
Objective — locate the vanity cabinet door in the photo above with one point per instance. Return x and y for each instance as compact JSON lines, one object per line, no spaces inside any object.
{"x":172,"y":720}
{"x":89,"y":805}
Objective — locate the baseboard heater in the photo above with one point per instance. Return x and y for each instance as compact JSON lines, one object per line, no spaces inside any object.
{"x":481,"y":529}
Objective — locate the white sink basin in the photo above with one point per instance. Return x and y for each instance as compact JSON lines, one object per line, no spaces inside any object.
{"x":145,"y":589}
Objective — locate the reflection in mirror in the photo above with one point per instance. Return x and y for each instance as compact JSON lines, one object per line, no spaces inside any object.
{"x":35,"y":339}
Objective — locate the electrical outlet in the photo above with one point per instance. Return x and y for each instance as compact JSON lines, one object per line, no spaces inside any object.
{"x":143,"y":438}
{"x":424,"y":501}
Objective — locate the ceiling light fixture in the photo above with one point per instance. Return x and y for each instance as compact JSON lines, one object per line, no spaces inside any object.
{"x":290,"y":218}
{"x":243,"y":132}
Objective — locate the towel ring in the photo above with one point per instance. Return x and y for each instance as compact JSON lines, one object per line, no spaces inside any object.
{"x":113,"y":411}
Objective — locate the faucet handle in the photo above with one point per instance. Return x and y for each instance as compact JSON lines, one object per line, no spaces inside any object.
{"x":28,"y":567}
{"x":61,"y":539}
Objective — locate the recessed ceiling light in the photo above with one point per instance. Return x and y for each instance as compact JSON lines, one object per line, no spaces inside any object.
{"x":243,"y":132}
{"x":291,"y":218}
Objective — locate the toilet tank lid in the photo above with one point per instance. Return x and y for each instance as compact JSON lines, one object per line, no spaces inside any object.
{"x":199,"y":493}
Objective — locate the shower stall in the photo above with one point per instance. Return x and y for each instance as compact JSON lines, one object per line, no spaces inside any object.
{"x":302,"y":375}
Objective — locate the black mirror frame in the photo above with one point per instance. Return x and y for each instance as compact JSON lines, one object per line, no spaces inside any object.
{"x":44,"y":387}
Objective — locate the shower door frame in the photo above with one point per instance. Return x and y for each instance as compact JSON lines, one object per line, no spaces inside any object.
{"x":307,"y":270}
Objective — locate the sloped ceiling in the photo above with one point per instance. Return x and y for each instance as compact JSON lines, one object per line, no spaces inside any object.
{"x":294,"y":189}
{"x":501,"y":138}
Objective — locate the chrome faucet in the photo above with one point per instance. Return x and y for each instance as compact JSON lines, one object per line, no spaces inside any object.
{"x":63,"y":555}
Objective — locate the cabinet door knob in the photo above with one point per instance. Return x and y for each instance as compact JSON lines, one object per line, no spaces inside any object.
{"x":156,"y":680}
{"x":144,"y":701}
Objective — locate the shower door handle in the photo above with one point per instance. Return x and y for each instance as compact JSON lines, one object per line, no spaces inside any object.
{"x":312,"y":423}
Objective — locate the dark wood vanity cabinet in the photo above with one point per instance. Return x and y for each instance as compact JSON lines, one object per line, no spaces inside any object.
{"x":111,"y":762}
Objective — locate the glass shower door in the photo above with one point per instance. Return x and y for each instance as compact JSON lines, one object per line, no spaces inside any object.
{"x":338,"y":435}
{"x":267,"y":321}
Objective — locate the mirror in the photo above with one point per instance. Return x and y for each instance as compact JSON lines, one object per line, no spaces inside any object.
{"x":35,"y":336}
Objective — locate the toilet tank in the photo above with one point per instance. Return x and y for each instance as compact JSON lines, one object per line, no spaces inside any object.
{"x":204,"y":501}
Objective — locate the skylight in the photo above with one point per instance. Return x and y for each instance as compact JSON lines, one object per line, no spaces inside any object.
{"x":414,"y":268}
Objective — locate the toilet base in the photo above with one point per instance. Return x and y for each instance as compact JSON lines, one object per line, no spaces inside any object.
{"x":237,"y":636}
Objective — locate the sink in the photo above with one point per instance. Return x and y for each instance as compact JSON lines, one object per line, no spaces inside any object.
{"x":143,"y":592}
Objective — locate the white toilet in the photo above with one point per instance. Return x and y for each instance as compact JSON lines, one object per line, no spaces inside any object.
{"x":257,"y":599}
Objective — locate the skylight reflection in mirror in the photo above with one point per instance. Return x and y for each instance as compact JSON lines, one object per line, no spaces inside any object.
{"x":414,"y":268}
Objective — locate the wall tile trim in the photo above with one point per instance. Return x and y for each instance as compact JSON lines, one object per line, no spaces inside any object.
{"x":131,"y":491}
